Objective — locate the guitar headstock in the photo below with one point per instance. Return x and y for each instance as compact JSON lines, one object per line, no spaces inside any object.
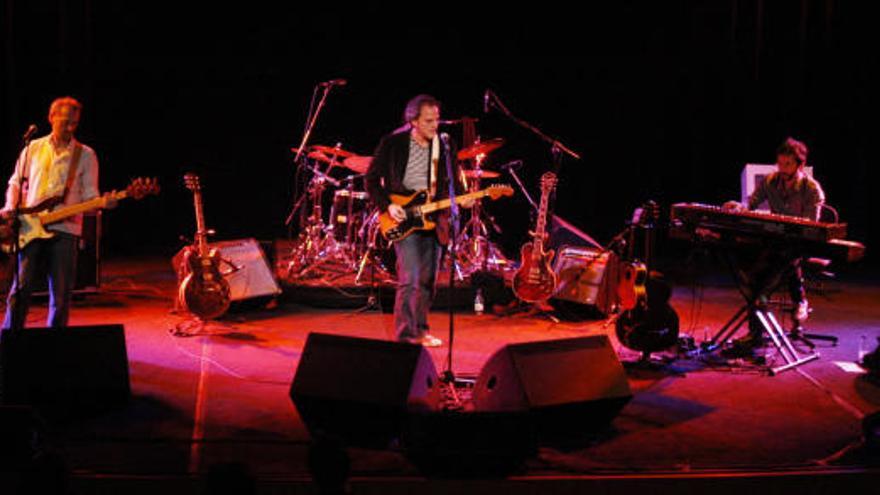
{"x":548,"y":182}
{"x":142,"y":186}
{"x":498,"y":190}
{"x":647,"y":214}
{"x":192,"y":182}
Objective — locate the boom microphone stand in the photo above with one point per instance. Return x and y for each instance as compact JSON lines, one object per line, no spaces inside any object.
{"x":311,"y":120}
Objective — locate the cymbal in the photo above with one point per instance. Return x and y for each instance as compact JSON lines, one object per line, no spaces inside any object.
{"x":321,"y":157}
{"x":359,"y":164}
{"x":330,"y":150}
{"x":480,"y":148}
{"x":480,"y":174}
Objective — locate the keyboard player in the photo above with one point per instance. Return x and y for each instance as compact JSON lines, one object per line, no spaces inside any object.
{"x":788,"y":191}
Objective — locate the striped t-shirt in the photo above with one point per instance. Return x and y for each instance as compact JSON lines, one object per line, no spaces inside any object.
{"x":417,"y":166}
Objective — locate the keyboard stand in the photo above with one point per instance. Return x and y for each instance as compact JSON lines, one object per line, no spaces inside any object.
{"x":768,"y":321}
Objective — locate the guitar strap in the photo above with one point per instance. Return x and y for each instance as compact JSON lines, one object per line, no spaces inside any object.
{"x":435,"y":159}
{"x":71,"y":172}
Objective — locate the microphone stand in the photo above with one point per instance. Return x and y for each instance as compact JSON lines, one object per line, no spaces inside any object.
{"x":16,"y":223}
{"x":311,"y":120}
{"x":448,"y":375}
{"x":557,"y":147}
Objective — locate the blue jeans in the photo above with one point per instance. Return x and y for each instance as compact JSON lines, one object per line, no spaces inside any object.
{"x":59,"y":255}
{"x":418,"y":258}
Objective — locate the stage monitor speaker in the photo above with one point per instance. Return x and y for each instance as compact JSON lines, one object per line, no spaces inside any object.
{"x":585,"y":277}
{"x":65,"y":371}
{"x":21,"y":436}
{"x":243,"y":265}
{"x":361,"y":390}
{"x":572,"y":388}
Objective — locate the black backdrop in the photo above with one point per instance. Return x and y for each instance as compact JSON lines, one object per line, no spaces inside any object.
{"x":664,"y":101}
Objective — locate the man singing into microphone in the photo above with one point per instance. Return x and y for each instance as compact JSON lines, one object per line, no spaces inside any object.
{"x":55,"y":166}
{"x":413,"y":159}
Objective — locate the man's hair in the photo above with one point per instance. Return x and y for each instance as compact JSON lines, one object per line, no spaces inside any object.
{"x":64,"y":101}
{"x":794,"y":148}
{"x":414,"y":107}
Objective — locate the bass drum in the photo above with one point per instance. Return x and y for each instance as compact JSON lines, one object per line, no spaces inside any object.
{"x":371,"y":244}
{"x":347,"y":215}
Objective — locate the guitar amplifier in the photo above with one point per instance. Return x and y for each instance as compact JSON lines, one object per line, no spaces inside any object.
{"x":244,"y":267}
{"x":583,"y":276}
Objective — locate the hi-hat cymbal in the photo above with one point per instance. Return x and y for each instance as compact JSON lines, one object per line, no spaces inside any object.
{"x":330,"y":150}
{"x":358,"y":163}
{"x":479,"y":173}
{"x":480,"y":148}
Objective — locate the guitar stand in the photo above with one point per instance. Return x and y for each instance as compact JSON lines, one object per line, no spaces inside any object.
{"x":529,"y":309}
{"x":195,"y":327}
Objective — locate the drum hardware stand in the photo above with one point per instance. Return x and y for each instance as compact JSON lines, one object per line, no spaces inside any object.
{"x":371,"y":230}
{"x":316,"y":245}
{"x":475,"y":251}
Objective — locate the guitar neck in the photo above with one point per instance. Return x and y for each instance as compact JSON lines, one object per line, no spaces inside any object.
{"x":69,"y":211}
{"x":446,"y":203}
{"x":201,"y":232}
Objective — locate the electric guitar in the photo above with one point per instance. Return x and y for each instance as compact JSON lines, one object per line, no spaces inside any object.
{"x":203,"y":292}
{"x":535,"y":281}
{"x":417,"y":208}
{"x":33,"y":220}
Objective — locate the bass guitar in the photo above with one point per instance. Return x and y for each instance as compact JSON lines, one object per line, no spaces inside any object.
{"x":33,"y":220}
{"x":417,"y":208}
{"x":535,"y":281}
{"x":203,"y":292}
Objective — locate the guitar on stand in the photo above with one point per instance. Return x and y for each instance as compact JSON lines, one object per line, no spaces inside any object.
{"x":203,"y":292}
{"x":535,"y":280}
{"x":647,"y":322}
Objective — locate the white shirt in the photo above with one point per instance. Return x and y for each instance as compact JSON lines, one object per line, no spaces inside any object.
{"x":47,"y":168}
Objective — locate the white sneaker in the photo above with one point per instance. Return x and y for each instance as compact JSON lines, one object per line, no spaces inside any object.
{"x":429,"y":340}
{"x":803,"y":311}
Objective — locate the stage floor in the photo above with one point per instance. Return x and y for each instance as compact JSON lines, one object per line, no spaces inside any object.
{"x":221,"y":395}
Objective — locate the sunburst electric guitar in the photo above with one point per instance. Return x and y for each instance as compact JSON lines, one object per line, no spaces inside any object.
{"x":417,"y":208}
{"x":33,"y":220}
{"x":203,"y":292}
{"x":535,"y":281}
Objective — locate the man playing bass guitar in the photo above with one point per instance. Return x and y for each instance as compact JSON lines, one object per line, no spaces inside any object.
{"x":55,"y":170}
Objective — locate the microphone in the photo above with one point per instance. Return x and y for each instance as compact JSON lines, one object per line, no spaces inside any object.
{"x":445,"y":139}
{"x":29,"y":133}
{"x":486,"y":100}
{"x":334,"y":82}
{"x":513,"y":164}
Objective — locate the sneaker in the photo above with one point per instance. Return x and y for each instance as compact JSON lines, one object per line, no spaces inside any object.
{"x":802,"y":312}
{"x":429,"y":340}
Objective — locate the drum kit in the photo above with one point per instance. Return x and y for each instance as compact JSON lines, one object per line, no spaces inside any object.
{"x":347,"y":241}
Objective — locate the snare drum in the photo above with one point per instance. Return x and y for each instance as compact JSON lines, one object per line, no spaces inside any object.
{"x":347,"y":214}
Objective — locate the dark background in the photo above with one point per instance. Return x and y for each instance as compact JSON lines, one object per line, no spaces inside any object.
{"x":663,"y":100}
